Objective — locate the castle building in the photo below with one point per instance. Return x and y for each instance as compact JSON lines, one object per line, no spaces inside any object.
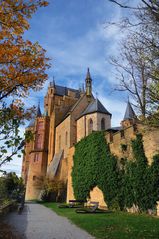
{"x":71,"y":115}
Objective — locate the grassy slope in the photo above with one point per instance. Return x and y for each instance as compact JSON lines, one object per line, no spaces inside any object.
{"x":117,"y":225}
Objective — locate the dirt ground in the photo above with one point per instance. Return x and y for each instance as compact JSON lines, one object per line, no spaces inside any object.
{"x":6,"y":232}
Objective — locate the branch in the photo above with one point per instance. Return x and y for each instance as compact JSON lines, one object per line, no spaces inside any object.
{"x":15,"y":152}
{"x":125,"y":6}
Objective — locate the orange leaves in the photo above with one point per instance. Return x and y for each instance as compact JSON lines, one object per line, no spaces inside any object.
{"x":22,"y":63}
{"x":14,"y":15}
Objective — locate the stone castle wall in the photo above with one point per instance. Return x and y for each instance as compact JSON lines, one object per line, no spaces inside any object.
{"x":151,"y":146}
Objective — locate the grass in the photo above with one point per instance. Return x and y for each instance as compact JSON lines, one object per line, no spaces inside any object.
{"x":115,"y":225}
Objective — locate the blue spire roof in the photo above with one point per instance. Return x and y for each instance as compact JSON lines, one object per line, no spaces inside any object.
{"x":38,"y":112}
{"x":95,"y":106}
{"x":88,"y":76}
{"x":129,"y":113}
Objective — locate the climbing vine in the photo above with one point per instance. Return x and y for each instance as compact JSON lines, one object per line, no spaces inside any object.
{"x":124,"y":183}
{"x":94,"y":165}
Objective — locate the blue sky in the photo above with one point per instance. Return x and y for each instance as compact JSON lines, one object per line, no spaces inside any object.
{"x":75,"y":37}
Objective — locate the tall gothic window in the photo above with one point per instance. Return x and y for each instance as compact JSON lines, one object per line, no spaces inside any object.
{"x":103,"y":124}
{"x":66,"y":139}
{"x":90,"y":126}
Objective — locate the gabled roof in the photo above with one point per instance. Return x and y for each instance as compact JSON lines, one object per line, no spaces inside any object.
{"x":95,"y":106}
{"x":129,"y":113}
{"x":70,"y":109}
{"x":61,"y":90}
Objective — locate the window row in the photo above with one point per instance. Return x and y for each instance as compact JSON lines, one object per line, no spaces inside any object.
{"x":90,"y":125}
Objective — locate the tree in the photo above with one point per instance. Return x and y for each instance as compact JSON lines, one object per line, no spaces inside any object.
{"x":22,"y":67}
{"x":139,"y":54}
{"x":22,"y":63}
{"x":133,"y":74}
{"x":11,"y":186}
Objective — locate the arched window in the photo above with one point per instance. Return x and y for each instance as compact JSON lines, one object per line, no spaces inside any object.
{"x":103,"y":124}
{"x":90,"y":126}
{"x":66,"y":138}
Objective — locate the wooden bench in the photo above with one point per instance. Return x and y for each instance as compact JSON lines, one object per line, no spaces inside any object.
{"x":76,"y":203}
{"x":90,"y":208}
{"x":73,"y":204}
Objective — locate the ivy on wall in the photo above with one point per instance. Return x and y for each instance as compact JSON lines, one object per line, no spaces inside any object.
{"x":94,"y":165}
{"x":124,"y":183}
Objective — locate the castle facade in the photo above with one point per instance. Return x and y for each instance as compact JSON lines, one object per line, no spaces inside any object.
{"x":71,"y":115}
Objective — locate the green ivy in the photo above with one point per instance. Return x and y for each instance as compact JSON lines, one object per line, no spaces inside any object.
{"x":141,"y":180}
{"x":124,"y":183}
{"x":94,"y":165}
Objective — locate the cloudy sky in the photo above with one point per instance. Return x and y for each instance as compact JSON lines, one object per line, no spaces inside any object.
{"x":75,"y":36}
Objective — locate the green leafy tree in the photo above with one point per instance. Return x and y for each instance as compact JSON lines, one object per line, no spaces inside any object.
{"x":11,"y":186}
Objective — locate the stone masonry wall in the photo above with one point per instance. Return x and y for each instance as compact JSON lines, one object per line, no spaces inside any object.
{"x":151,"y":146}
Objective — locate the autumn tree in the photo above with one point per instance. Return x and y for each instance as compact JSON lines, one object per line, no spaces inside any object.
{"x":139,"y":54}
{"x":23,"y":66}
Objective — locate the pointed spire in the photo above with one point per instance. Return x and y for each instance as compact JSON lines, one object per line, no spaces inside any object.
{"x":88,"y":85}
{"x":129,"y":113}
{"x":88,"y":76}
{"x":38,"y":112}
{"x":53,"y":82}
{"x":83,"y":88}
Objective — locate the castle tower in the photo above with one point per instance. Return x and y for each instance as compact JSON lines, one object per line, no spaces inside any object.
{"x":37,"y":155}
{"x":88,"y":82}
{"x":129,"y":117}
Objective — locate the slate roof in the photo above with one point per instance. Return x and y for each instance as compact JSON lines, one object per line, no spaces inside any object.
{"x":129,"y":113}
{"x":70,"y":109}
{"x":95,"y":106}
{"x":115,"y":129}
{"x":61,"y":90}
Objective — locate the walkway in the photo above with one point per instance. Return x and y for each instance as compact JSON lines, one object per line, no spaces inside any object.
{"x":39,"y":222}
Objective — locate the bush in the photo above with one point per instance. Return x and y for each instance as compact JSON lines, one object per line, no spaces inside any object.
{"x":54,"y":191}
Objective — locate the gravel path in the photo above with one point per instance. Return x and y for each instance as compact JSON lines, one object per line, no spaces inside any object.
{"x":39,"y":222}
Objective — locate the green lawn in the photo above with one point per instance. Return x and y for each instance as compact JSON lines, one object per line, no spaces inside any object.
{"x":115,"y":225}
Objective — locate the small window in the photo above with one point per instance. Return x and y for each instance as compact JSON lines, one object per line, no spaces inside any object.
{"x":34,"y":178}
{"x":90,"y":126}
{"x":103,"y":124}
